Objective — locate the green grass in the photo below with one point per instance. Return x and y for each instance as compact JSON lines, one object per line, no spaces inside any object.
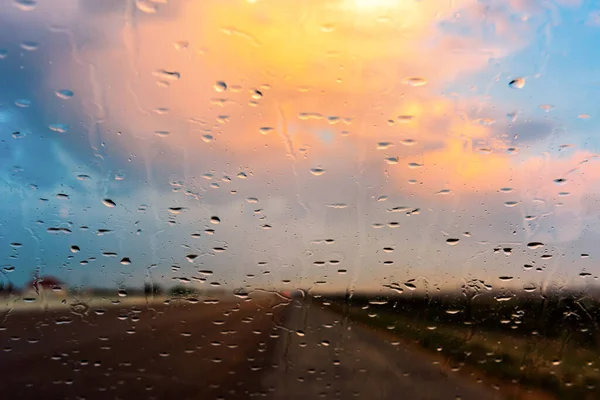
{"x":551,"y":365}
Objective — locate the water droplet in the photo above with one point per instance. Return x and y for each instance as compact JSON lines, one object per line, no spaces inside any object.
{"x":506,"y":278}
{"x":122,"y":293}
{"x":215,"y":220}
{"x":414,"y":165}
{"x":318,"y":171}
{"x":23,"y":103}
{"x":3,"y":54}
{"x":517,"y":83}
{"x":167,"y":75}
{"x":146,"y":6}
{"x":415,"y":81}
{"x":409,"y":142}
{"x":74,"y":249}
{"x":535,"y":245}
{"x":29,"y":45}
{"x":384,"y":145}
{"x":265,"y":130}
{"x":452,"y":241}
{"x":61,"y":128}
{"x":125,"y":261}
{"x":181,"y":45}
{"x":108,"y":203}
{"x":392,"y":160}
{"x":560,"y":181}
{"x":256,"y":94}
{"x":25,"y":5}
{"x":404,"y":119}
{"x":64,"y":94}
{"x":220,"y":86}
{"x":511,"y":203}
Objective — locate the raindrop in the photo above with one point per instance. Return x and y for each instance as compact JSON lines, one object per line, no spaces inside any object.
{"x":517,"y":83}
{"x":409,"y":142}
{"x":452,"y":241}
{"x":414,"y":165}
{"x":265,"y":130}
{"x":25,"y":5}
{"x":108,"y":203}
{"x":29,"y":45}
{"x":511,"y":203}
{"x":392,"y":160}
{"x":256,"y":94}
{"x":384,"y":145}
{"x":535,"y":245}
{"x":61,"y":128}
{"x":318,"y":171}
{"x":167,"y":75}
{"x":506,"y":278}
{"x":191,"y":257}
{"x":125,"y":261}
{"x":215,"y":220}
{"x":146,"y":6}
{"x":74,"y":249}
{"x":207,"y":138}
{"x":64,"y":94}
{"x":220,"y":86}
{"x":415,"y":81}
{"x":23,"y":103}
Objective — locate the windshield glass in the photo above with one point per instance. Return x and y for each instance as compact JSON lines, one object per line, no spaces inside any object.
{"x":299,"y":199}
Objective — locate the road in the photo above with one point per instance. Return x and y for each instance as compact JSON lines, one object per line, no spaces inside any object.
{"x":321,"y":356}
{"x":228,"y":350}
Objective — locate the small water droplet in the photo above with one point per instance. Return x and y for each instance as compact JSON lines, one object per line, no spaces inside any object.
{"x":215,"y":220}
{"x":64,"y":94}
{"x":125,"y":261}
{"x":23,"y":103}
{"x":517,"y":83}
{"x":265,"y":130}
{"x":317,"y":171}
{"x":74,"y":249}
{"x":415,"y":81}
{"x":108,"y":203}
{"x":220,"y":86}
{"x":61,"y":128}
{"x":146,"y":6}
{"x":29,"y":45}
{"x":25,"y":5}
{"x":511,"y":203}
{"x":452,"y":241}
{"x":535,"y":245}
{"x":167,"y":75}
{"x":560,"y":181}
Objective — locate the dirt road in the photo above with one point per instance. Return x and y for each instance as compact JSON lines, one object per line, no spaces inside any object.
{"x":229,"y":350}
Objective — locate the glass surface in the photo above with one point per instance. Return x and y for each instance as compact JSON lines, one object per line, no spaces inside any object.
{"x":299,"y":199}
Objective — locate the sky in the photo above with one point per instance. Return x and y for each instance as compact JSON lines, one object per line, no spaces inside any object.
{"x":326,"y":145}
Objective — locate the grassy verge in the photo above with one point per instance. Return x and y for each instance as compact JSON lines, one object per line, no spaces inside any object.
{"x":566,"y":371}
